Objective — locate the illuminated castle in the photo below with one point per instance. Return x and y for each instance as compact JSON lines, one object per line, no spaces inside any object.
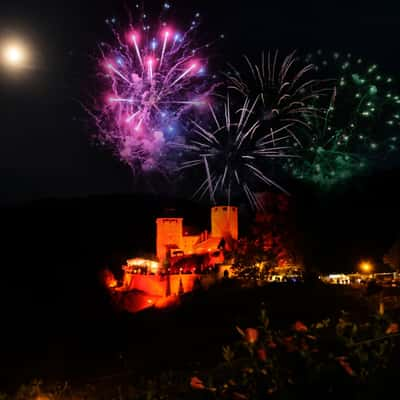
{"x":182,"y":249}
{"x":174,"y":240}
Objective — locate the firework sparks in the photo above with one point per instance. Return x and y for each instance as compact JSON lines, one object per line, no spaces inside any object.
{"x":284,"y":92}
{"x":326,"y":159}
{"x":360,"y":128}
{"x":152,"y":78}
{"x":234,"y":154}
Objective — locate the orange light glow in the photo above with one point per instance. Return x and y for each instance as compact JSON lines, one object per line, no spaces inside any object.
{"x":366,"y":266}
{"x":166,"y":302}
{"x":109,"y":279}
{"x":112,"y":284}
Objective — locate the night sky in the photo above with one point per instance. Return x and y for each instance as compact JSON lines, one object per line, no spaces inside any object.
{"x":46,"y":149}
{"x":53,"y":249}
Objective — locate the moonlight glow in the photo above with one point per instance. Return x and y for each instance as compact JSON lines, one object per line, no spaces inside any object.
{"x":14,"y":55}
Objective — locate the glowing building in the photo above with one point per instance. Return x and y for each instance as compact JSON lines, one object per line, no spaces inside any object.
{"x":188,"y":254}
{"x":175,"y":240}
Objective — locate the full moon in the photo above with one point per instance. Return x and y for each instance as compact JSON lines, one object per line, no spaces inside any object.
{"x":14,"y":55}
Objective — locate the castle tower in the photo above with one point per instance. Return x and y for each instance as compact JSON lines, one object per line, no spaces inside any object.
{"x":169,"y":233}
{"x":224,"y":221}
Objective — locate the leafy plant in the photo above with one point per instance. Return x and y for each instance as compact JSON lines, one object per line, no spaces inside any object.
{"x":328,"y":355}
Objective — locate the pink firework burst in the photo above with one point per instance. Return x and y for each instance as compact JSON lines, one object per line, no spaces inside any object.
{"x":153,"y":78}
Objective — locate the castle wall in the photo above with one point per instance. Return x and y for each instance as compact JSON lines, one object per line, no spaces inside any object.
{"x":224,"y":224}
{"x":188,"y":243}
{"x":157,"y":285}
{"x":169,"y":233}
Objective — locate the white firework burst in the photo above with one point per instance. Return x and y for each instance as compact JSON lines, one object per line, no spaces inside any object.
{"x":234,"y":153}
{"x":284,"y":92}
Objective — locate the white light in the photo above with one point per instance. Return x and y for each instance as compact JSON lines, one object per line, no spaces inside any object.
{"x":14,"y":55}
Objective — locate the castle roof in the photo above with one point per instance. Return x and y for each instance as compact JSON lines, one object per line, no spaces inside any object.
{"x":209,"y":244}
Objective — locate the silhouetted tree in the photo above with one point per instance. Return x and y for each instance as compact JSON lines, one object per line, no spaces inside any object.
{"x":392,"y":257}
{"x":180,"y":291}
{"x":272,"y":240}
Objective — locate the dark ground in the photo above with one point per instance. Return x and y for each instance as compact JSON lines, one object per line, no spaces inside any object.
{"x":58,"y":322}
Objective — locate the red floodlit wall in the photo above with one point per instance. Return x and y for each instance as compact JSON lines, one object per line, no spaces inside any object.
{"x":157,"y":286}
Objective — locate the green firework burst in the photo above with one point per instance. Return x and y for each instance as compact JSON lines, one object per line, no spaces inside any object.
{"x":360,"y":126}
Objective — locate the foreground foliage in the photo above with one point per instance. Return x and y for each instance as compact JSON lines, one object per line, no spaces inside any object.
{"x":337,"y":356}
{"x":330,"y":356}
